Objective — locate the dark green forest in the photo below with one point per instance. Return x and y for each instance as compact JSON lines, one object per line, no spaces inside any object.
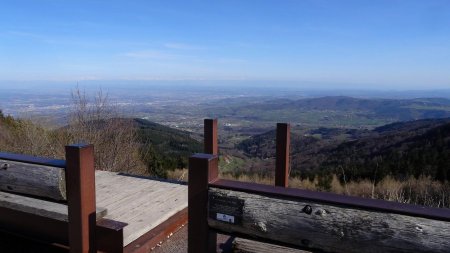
{"x":414,"y":148}
{"x":164,"y":148}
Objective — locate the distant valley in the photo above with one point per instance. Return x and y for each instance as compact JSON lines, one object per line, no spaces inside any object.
{"x":328,"y":132}
{"x":336,"y":141}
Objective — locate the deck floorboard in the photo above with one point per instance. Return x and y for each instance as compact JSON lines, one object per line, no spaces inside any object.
{"x":140,"y":202}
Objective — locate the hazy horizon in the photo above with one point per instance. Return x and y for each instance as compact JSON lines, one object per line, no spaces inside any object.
{"x":398,"y":45}
{"x":186,"y":83}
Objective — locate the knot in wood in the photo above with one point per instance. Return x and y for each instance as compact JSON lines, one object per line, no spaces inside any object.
{"x":4,"y":166}
{"x":261,"y":226}
{"x":307,"y":209}
{"x":321,"y":212}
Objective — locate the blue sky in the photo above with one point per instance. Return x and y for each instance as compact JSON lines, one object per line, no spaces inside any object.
{"x":364,"y":43}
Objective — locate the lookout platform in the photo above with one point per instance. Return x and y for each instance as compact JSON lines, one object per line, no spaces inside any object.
{"x":142,"y":203}
{"x":151,"y":208}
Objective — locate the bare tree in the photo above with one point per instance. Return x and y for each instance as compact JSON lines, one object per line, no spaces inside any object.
{"x":23,"y":136}
{"x":114,"y":137}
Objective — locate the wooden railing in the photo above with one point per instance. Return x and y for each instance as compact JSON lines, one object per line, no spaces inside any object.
{"x":80,"y":230}
{"x":316,"y":221}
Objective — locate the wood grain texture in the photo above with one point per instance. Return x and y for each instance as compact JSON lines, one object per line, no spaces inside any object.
{"x":333,"y":228}
{"x":241,"y":245}
{"x":31,"y":179}
{"x":142,"y":203}
{"x":39,"y":207}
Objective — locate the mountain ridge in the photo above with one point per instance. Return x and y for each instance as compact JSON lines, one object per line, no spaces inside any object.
{"x":401,"y":149}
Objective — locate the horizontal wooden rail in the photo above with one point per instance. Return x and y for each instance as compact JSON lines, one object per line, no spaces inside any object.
{"x":442,"y":214}
{"x":109,"y":233}
{"x":33,"y":179}
{"x":304,"y":219}
{"x":297,"y":218}
{"x":33,"y":160}
{"x":319,"y":222}
{"x":79,"y":174}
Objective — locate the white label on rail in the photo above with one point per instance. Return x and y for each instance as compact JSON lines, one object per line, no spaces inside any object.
{"x":225,"y":218}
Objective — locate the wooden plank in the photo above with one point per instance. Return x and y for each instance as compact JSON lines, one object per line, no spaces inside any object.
{"x":32,"y":179}
{"x":120,"y":187}
{"x":135,"y":198}
{"x":150,"y":217}
{"x":150,"y":239}
{"x":327,"y":227}
{"x":241,"y":245}
{"x":156,"y":201}
{"x":114,"y":190}
{"x":40,"y":207}
{"x":120,"y":202}
{"x":142,"y":203}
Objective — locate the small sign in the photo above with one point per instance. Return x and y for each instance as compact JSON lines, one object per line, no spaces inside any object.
{"x":226,"y":208}
{"x":225,"y":218}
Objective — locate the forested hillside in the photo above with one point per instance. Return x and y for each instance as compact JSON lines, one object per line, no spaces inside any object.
{"x":399,"y":150}
{"x":165,"y":148}
{"x":128,"y":145}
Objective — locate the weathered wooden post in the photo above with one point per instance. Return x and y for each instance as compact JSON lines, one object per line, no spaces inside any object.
{"x":80,"y":182}
{"x":210,"y":137}
{"x":211,"y":146}
{"x":282,"y":154}
{"x":203,"y":169}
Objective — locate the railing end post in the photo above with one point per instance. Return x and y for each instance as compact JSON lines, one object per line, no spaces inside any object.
{"x":80,"y":187}
{"x":210,"y":137}
{"x":282,"y":154}
{"x":203,"y":169}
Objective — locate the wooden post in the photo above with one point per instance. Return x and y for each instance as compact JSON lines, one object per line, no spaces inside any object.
{"x":109,"y":236}
{"x":203,"y":169}
{"x":210,"y":137}
{"x":282,"y":159}
{"x":80,"y":182}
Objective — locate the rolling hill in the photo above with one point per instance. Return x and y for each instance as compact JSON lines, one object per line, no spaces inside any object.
{"x":165,"y":148}
{"x":334,"y":111}
{"x":403,"y":149}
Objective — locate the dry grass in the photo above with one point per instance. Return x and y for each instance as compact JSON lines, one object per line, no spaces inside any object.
{"x":419,"y":191}
{"x":178,"y":175}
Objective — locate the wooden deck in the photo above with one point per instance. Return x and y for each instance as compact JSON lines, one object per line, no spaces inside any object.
{"x":153,"y":209}
{"x":141,"y":202}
